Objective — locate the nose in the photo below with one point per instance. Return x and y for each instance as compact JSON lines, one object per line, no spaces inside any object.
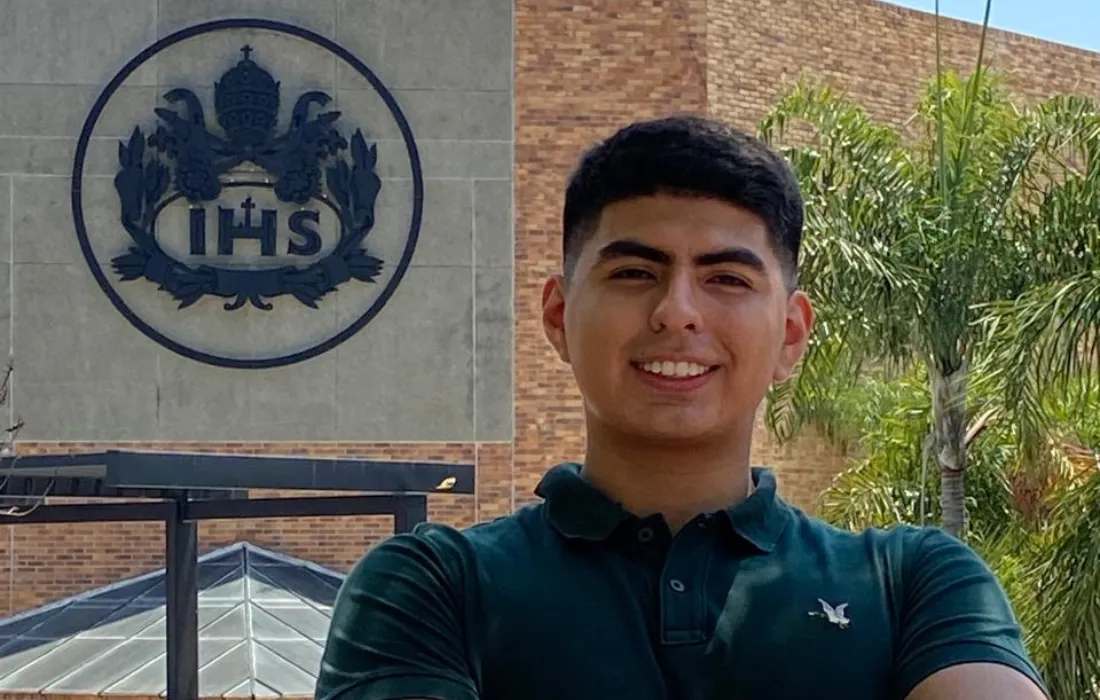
{"x":677,"y":309}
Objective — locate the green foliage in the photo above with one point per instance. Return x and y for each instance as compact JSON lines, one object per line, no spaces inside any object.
{"x":960,"y":250}
{"x":1064,"y":618}
{"x":1023,"y":198}
{"x":1039,"y":538}
{"x":965,"y":243}
{"x":890,"y":481}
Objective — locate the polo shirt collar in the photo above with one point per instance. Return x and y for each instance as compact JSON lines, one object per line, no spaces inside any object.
{"x":761,"y":518}
{"x":578,"y":510}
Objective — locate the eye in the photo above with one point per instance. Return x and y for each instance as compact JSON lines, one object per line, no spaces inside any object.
{"x":632,"y":273}
{"x":727,"y":279}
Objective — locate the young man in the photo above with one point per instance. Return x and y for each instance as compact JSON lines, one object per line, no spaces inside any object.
{"x":665,"y":567}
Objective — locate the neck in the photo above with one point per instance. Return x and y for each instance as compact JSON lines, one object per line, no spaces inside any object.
{"x":676,"y":480}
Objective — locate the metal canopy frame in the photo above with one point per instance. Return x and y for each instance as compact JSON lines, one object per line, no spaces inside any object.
{"x":182,"y":488}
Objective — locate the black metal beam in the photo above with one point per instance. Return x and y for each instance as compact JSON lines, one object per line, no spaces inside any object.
{"x":406,"y":510}
{"x":140,"y":474}
{"x":88,"y":513}
{"x":181,"y":554}
{"x":75,"y":464}
{"x":177,"y":470}
{"x":293,"y":507}
{"x":31,"y":488}
{"x":220,"y":482}
{"x":412,"y":511}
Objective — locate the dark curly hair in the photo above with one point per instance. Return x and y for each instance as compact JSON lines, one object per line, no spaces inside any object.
{"x":692,"y":156}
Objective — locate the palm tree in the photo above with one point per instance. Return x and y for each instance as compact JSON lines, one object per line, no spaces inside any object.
{"x":1040,"y":542}
{"x":912,"y":233}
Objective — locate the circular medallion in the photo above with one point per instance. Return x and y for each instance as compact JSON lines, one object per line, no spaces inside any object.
{"x":261,"y":206}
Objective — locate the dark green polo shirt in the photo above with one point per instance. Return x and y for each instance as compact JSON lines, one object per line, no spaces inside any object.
{"x":575,"y":599}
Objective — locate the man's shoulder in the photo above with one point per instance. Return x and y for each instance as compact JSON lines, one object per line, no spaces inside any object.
{"x":903,"y":549}
{"x":916,"y":567}
{"x":519,"y":530}
{"x":450,"y":552}
{"x":409,"y":619}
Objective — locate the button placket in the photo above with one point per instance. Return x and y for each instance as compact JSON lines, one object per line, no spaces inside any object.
{"x":683,"y":590}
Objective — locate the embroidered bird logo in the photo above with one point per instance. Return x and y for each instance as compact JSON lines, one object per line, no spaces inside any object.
{"x":834,"y":615}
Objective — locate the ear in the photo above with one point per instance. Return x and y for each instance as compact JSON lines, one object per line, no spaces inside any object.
{"x":799,"y":325}
{"x":553,"y":314}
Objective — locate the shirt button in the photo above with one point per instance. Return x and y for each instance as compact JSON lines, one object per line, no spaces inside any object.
{"x":676,"y":585}
{"x":645,"y":534}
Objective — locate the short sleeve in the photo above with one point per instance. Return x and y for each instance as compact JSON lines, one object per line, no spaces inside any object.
{"x":398,"y":623}
{"x":954,"y":611}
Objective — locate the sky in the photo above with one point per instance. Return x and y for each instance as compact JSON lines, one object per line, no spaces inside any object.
{"x":1072,"y":22}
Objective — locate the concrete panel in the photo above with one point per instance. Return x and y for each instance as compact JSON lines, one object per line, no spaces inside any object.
{"x":296,"y":403}
{"x":43,"y":222}
{"x":6,"y":414}
{"x":437,"y":114}
{"x":409,"y":374}
{"x":493,"y":354}
{"x":115,"y":410}
{"x":67,"y":332}
{"x":446,"y":232}
{"x":481,"y":160}
{"x":40,"y":124}
{"x":5,"y":221}
{"x":73,"y":41}
{"x":446,"y":226}
{"x":318,"y":15}
{"x":494,"y":236}
{"x":60,"y":110}
{"x":472,"y":159}
{"x":28,"y":155}
{"x":429,"y":44}
{"x":5,"y":317}
{"x":200,"y":402}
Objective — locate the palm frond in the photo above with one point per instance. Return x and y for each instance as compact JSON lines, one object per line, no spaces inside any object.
{"x":1047,"y":339}
{"x":823,"y":393}
{"x":855,"y":175}
{"x":1065,"y":620}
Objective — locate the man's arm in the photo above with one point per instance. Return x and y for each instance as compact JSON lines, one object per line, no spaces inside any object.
{"x":958,"y":635}
{"x":977,"y":681}
{"x":398,"y":625}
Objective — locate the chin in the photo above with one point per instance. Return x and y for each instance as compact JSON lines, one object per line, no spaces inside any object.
{"x":673,"y":432}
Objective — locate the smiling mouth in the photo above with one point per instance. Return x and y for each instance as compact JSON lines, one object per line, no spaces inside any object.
{"x":675,"y":370}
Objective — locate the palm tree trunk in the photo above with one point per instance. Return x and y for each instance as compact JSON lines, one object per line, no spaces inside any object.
{"x":949,"y":444}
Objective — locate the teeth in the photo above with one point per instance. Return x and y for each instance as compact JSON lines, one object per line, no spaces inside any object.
{"x":675,"y":369}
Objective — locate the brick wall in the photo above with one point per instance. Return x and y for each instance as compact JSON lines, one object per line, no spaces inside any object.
{"x":581,"y":71}
{"x":879,"y":54}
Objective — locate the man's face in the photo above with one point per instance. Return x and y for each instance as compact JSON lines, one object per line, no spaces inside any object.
{"x":676,"y":319}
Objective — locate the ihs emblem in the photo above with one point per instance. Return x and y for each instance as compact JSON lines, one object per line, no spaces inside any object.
{"x":304,"y":163}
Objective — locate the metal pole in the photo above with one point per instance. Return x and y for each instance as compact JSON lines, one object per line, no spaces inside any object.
{"x":411,"y":510}
{"x":181,"y":553}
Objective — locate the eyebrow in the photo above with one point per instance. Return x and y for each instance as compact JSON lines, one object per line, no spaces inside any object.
{"x":736,"y":255}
